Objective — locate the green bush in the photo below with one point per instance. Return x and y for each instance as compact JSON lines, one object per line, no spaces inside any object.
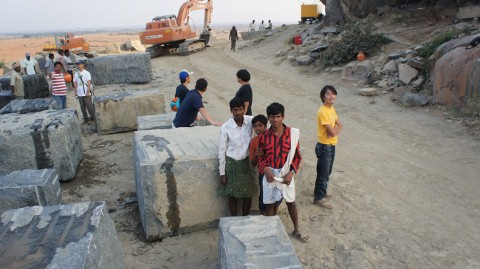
{"x":357,"y":36}
{"x":2,"y":64}
{"x":430,"y":47}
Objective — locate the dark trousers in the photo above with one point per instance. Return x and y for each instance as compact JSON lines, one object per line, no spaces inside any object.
{"x":86,"y":104}
{"x":325,"y":157}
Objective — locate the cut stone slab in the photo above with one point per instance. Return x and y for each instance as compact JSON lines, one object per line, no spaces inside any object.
{"x":256,"y":241}
{"x":29,"y":106}
{"x":368,"y":91}
{"x":468,"y":12}
{"x":135,"y":45}
{"x":29,"y":188}
{"x":162,"y":121}
{"x":128,"y":68}
{"x":35,"y":86}
{"x":176,"y":179}
{"x":5,"y":98}
{"x":77,"y":236}
{"x":41,"y":140}
{"x":112,"y":48}
{"x":356,"y":70}
{"x":119,"y":113}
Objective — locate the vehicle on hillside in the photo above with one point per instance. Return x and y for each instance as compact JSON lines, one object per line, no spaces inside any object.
{"x":76,"y":44}
{"x":173,"y":33}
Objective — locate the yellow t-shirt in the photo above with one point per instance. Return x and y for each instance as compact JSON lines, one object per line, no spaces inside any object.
{"x":326,"y":115}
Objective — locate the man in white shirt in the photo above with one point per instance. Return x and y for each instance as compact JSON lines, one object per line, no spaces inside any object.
{"x":236,"y":179}
{"x":68,"y":64}
{"x":83,"y":85}
{"x":252,"y":26}
{"x":29,"y":65}
{"x":261,"y":27}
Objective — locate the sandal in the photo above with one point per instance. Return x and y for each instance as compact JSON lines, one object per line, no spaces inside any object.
{"x":303,"y":238}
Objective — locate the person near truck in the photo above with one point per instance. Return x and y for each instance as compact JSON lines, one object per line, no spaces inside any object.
{"x":83,"y":84}
{"x":16,"y":82}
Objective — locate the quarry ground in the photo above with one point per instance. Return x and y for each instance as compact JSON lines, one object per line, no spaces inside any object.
{"x":405,"y":180}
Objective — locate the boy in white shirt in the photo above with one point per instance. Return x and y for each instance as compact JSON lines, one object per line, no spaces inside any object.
{"x":83,"y":85}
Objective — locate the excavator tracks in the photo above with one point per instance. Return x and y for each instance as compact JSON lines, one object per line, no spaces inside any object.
{"x":192,"y":46}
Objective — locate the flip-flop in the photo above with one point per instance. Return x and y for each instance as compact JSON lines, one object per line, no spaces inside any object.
{"x":303,"y":238}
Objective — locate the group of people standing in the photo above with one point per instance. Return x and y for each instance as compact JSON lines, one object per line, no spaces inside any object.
{"x":233,"y":36}
{"x":247,"y":141}
{"x":26,"y":67}
{"x":261,"y":27}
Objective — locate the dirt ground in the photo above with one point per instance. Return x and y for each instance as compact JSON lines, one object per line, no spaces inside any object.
{"x":405,"y":180}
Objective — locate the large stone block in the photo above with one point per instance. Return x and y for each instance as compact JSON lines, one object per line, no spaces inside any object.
{"x":356,"y":71}
{"x":36,"y":86}
{"x":5,"y":97}
{"x":122,"y":68}
{"x":29,"y":188}
{"x":162,"y":121}
{"x":77,"y":236}
{"x":46,"y":139}
{"x":29,"y":105}
{"x":119,"y":113}
{"x":255,"y":242}
{"x":176,"y":178}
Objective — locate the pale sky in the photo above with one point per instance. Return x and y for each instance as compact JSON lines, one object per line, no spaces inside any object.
{"x":29,"y":16}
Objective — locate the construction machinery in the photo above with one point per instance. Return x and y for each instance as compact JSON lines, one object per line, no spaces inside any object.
{"x":311,"y":12}
{"x":76,"y":44}
{"x":173,"y":34}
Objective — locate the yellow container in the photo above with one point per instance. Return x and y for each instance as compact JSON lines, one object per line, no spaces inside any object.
{"x":309,"y":12}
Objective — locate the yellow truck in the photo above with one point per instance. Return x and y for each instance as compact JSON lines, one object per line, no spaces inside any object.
{"x":310,"y":12}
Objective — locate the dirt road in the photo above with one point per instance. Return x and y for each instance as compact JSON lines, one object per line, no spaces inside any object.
{"x":405,"y":180}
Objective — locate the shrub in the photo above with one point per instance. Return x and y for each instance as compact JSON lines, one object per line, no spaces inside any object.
{"x":430,"y":47}
{"x":2,"y":64}
{"x":356,"y":36}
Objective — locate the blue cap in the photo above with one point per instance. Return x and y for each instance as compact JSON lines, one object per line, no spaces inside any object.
{"x":184,"y":74}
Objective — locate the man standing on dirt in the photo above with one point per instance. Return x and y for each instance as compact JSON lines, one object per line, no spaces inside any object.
{"x":279,"y":163}
{"x":59,"y":87}
{"x":328,"y":129}
{"x":29,"y":65}
{"x":49,"y":67}
{"x":188,"y":111}
{"x":233,"y":37}
{"x":83,"y":86}
{"x":16,"y":82}
{"x":236,"y":181}
{"x":252,"y":26}
{"x":245,"y":92}
{"x":68,"y":64}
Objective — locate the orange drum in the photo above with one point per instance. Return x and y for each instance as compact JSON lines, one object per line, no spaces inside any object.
{"x":67,"y":77}
{"x":361,"y":56}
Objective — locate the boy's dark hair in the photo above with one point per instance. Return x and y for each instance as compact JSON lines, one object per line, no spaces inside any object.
{"x":51,"y":55}
{"x":201,"y":84}
{"x":260,"y":118}
{"x":275,"y":109}
{"x":55,"y":64}
{"x":66,"y":51}
{"x":243,"y":75}
{"x":237,"y":102}
{"x":324,"y":91}
{"x":60,"y":51}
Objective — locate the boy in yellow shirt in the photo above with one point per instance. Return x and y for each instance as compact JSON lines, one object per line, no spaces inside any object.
{"x":329,"y":127}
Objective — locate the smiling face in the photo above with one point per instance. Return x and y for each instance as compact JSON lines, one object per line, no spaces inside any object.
{"x":329,"y":98}
{"x":259,"y":127}
{"x":238,"y":114}
{"x":58,"y":68}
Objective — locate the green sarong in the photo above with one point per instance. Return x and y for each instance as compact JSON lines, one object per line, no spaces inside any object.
{"x":239,"y":183}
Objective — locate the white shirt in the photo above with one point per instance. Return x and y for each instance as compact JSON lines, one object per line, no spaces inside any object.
{"x":261,"y":27}
{"x":252,"y":26}
{"x":234,"y":141}
{"x":29,"y":66}
{"x":80,"y":78}
{"x":68,"y":63}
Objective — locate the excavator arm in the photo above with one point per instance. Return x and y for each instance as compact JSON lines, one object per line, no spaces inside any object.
{"x":184,"y":12}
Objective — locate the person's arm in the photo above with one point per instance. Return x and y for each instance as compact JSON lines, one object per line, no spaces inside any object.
{"x":247,"y":104}
{"x":75,"y":84}
{"x":294,"y":166}
{"x":222,"y":149}
{"x":334,"y":130}
{"x":207,"y":117}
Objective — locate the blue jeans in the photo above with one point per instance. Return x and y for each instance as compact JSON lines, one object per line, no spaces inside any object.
{"x":325,"y":156}
{"x":61,"y":101}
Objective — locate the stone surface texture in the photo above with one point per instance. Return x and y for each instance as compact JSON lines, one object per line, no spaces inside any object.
{"x":77,"y":236}
{"x":356,"y":70}
{"x":468,"y":12}
{"x":29,"y":105}
{"x":36,"y":86}
{"x":406,"y":73}
{"x":368,"y":91}
{"x":162,"y":121}
{"x":41,"y":140}
{"x":119,"y":113}
{"x":121,"y":68}
{"x":255,"y":242}
{"x":176,"y":178}
{"x":29,"y":188}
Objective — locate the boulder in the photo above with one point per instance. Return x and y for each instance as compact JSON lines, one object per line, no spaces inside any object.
{"x":112,"y":48}
{"x":29,"y":105}
{"x":456,"y":77}
{"x":176,"y":179}
{"x":135,"y":45}
{"x":468,"y":12}
{"x":406,"y":73}
{"x":5,"y":97}
{"x":77,"y":236}
{"x":29,"y":188}
{"x":162,"y":121}
{"x":304,"y":60}
{"x":118,"y":113}
{"x":123,"y":68}
{"x":260,"y":242}
{"x":41,"y":140}
{"x":415,"y":63}
{"x":355,"y":71}
{"x":409,"y":99}
{"x":36,"y":86}
{"x":451,"y":45}
{"x":368,"y":91}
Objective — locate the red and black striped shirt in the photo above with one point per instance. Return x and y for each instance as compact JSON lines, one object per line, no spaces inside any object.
{"x":276,"y":149}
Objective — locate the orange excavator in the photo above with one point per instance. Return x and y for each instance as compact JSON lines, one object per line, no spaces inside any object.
{"x":76,"y":44}
{"x":173,"y":34}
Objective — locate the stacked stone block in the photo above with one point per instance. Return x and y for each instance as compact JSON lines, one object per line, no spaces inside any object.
{"x":77,"y":236}
{"x":29,"y":188}
{"x":41,"y":140}
{"x":176,"y":179}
